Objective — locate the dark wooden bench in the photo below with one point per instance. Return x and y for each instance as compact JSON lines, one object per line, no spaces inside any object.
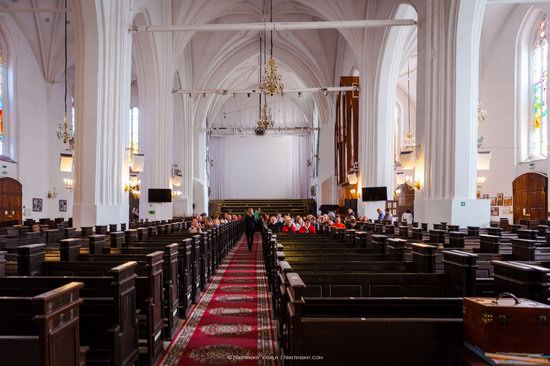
{"x":108,"y":316}
{"x":43,"y":329}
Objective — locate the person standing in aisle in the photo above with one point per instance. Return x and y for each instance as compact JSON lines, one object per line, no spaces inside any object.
{"x":250,"y":228}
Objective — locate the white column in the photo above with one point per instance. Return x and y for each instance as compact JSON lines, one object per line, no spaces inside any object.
{"x":103,"y":59}
{"x":447,"y":150}
{"x":375,"y":157}
{"x":161,"y":155}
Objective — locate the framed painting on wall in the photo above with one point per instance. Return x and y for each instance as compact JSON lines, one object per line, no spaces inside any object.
{"x":500,"y":199}
{"x":494,"y":211}
{"x":493,"y":201}
{"x":37,"y":204}
{"x":508,"y":201}
{"x":62,"y":205}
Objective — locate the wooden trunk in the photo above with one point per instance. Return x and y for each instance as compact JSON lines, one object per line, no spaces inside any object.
{"x":495,"y":326}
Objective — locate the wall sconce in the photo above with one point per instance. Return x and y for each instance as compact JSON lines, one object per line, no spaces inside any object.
{"x":66,"y":161}
{"x":138,"y":162}
{"x":483,"y":160}
{"x":69,"y":184}
{"x":353,"y":176}
{"x":133,"y":186}
{"x":413,"y":183}
{"x":481,"y":181}
{"x":407,"y":159}
{"x":176,"y":194}
{"x":176,"y":175}
{"x":52,"y":193}
{"x":400,"y":178}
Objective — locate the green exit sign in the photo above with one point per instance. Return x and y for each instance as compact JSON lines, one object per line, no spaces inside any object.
{"x":151,"y":212}
{"x":463,"y":204}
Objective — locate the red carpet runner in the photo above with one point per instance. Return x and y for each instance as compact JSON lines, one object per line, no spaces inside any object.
{"x":231,"y":325}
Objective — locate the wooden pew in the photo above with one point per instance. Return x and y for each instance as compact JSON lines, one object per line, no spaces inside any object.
{"x":360,"y":334}
{"x":108,"y":317}
{"x":170,"y":279}
{"x":149,"y":288}
{"x":43,"y":329}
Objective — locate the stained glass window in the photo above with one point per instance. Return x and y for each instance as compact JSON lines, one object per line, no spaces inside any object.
{"x":538,"y":141}
{"x":134,"y":129}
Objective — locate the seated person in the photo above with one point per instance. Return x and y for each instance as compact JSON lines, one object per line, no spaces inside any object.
{"x":299,"y":222}
{"x":307,"y":228}
{"x":288,"y":226}
{"x":387,"y":217}
{"x":195,"y":227}
{"x":338,"y":224}
{"x":407,"y":217}
{"x":353,"y":223}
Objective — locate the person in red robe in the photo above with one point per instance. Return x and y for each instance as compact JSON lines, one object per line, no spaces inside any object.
{"x":307,"y":228}
{"x":338,"y":224}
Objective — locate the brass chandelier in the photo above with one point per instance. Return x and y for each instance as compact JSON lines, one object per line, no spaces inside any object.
{"x":272,"y":83}
{"x":265,"y":120}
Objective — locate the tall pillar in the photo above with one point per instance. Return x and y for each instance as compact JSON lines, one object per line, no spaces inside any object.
{"x":160,"y":128}
{"x":375,"y":158}
{"x":447,"y":150}
{"x":103,"y":56}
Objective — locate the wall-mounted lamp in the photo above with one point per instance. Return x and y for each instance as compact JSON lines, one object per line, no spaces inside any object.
{"x":66,"y":161}
{"x":413,"y":183}
{"x":69,"y":184}
{"x":176,"y":175}
{"x":176,"y":194}
{"x":138,"y":162}
{"x":483,"y":160}
{"x":133,"y":186}
{"x":52,"y":193}
{"x":353,"y":175}
{"x":481,"y":181}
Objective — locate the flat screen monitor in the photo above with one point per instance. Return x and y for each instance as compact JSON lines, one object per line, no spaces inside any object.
{"x":160,"y":195}
{"x":370,"y":194}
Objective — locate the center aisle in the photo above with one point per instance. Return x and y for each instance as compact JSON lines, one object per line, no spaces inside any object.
{"x":231,"y":324}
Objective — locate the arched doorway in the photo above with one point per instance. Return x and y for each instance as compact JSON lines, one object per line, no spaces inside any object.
{"x":405,"y":199}
{"x":11,"y":199}
{"x":530,"y":192}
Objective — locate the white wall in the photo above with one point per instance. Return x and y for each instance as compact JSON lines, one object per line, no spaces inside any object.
{"x":36,"y":108}
{"x":498,"y":92}
{"x":260,"y":167}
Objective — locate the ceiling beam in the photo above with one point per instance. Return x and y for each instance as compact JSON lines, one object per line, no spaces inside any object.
{"x":33,"y":10}
{"x":276,"y":26}
{"x":257,"y":91}
{"x":517,"y":1}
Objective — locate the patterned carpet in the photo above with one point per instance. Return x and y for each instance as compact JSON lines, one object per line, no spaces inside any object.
{"x":231,"y":325}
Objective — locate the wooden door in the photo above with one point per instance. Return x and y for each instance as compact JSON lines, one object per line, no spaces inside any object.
{"x":11,"y":200}
{"x":406,"y":200}
{"x":530,"y":197}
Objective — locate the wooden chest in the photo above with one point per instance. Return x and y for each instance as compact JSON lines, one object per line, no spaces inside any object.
{"x":507,"y":324}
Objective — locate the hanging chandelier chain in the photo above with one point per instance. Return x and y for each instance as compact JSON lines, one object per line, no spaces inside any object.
{"x":65,"y":132}
{"x":65,"y":44}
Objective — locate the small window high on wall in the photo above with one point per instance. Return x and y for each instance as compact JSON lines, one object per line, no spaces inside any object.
{"x":134,"y":129}
{"x":538,"y":121}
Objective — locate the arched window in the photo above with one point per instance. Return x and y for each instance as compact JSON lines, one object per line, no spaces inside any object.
{"x":134,"y":129}
{"x":537,"y":136}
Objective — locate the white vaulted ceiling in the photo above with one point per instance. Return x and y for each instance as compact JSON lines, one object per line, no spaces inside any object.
{"x":307,"y":58}
{"x":44,"y":32}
